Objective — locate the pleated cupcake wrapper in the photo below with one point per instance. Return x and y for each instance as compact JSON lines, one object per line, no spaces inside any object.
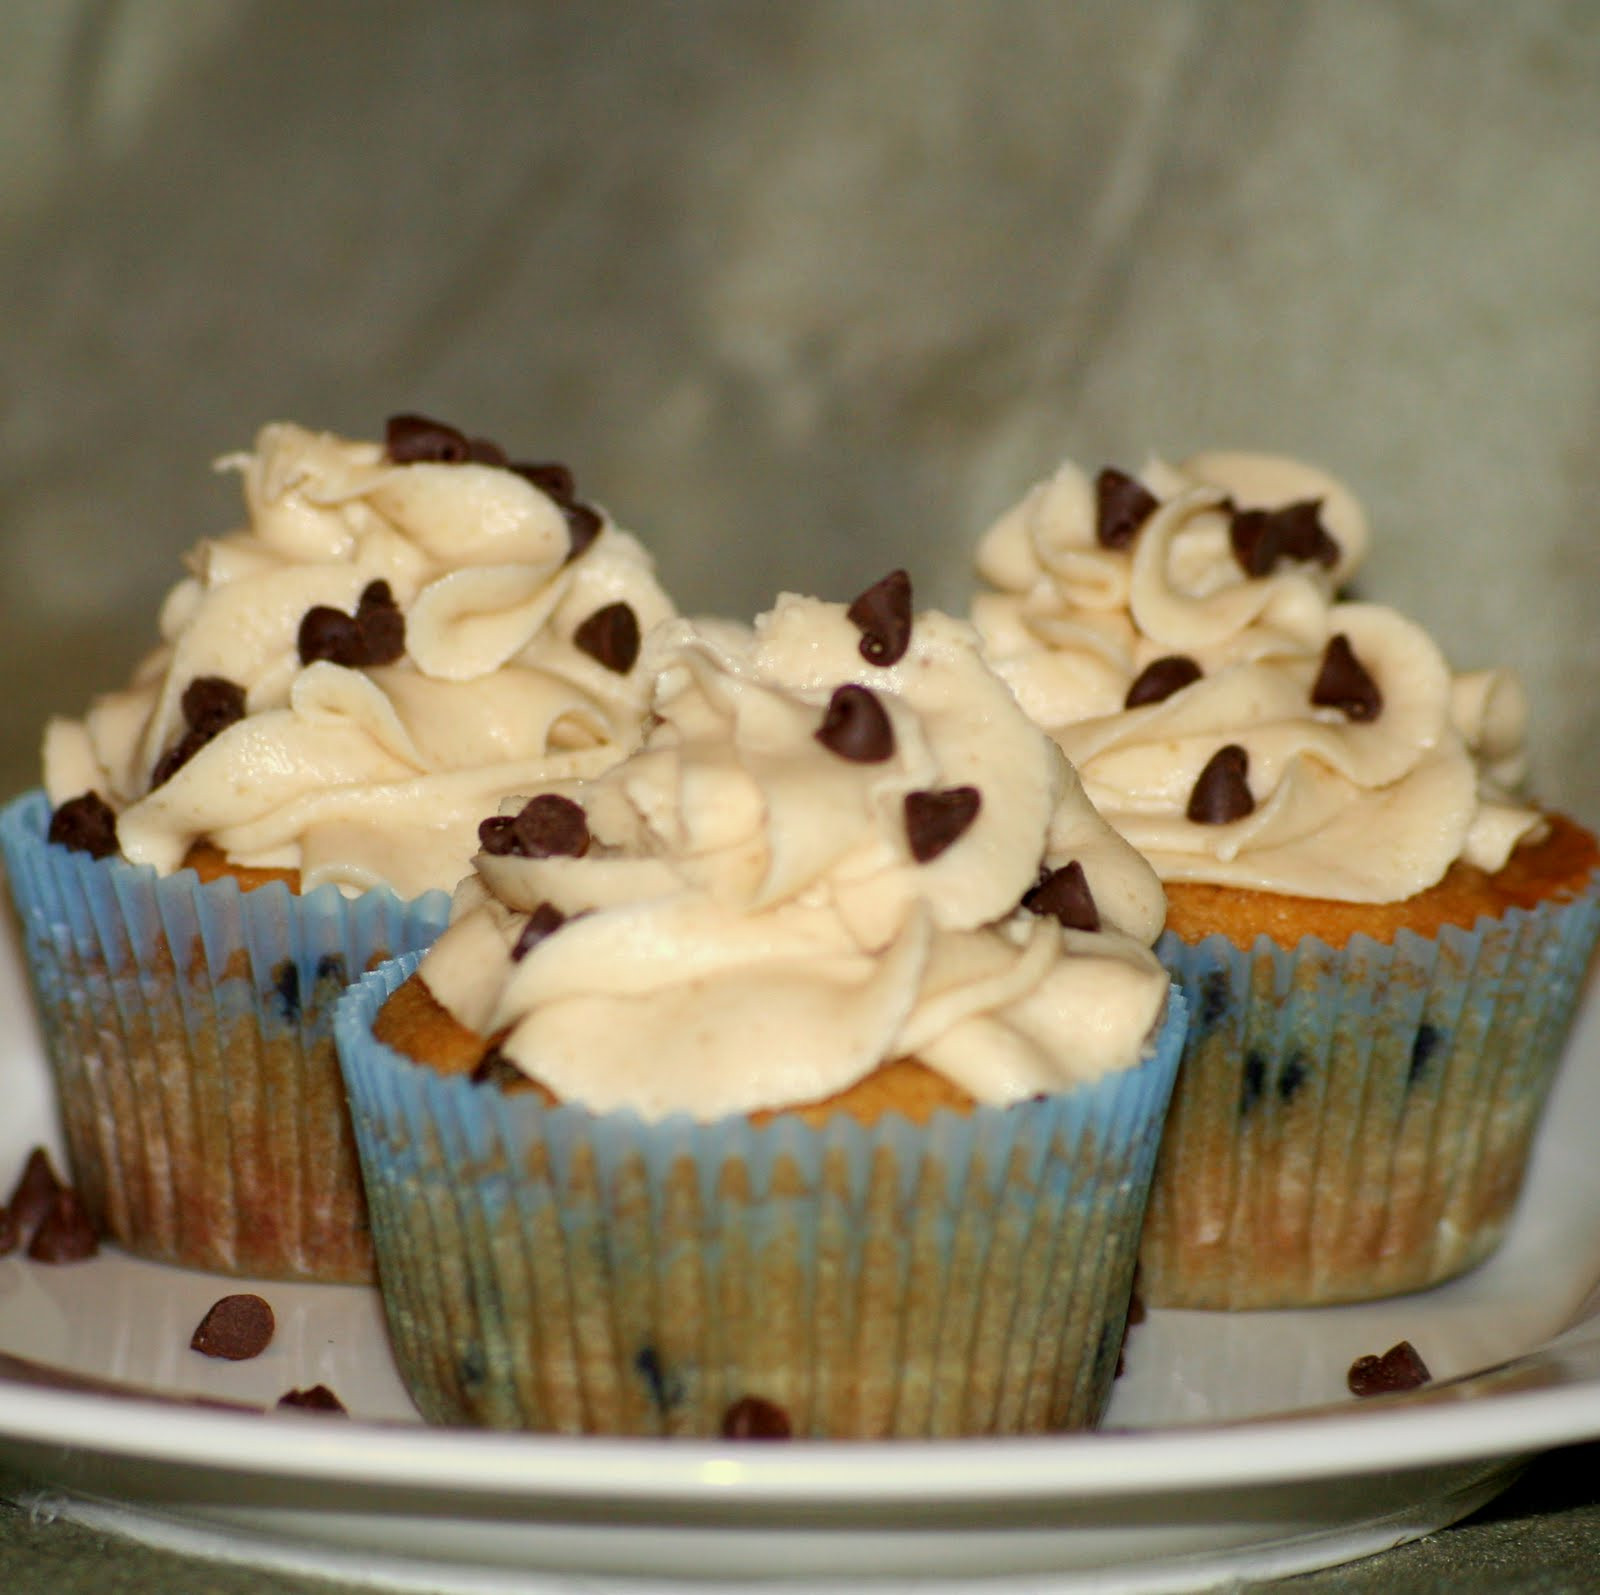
{"x":189,"y":1028}
{"x":1356,"y":1123}
{"x":554,"y":1270}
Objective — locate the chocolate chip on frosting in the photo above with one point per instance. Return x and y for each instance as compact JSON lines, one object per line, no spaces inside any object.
{"x":756,"y":1418}
{"x":856,"y":726}
{"x":611,"y":637}
{"x":416,"y":439}
{"x":1160,"y":679}
{"x":210,"y":704}
{"x":1222,"y":791}
{"x":1065,"y":894}
{"x":1343,"y":682}
{"x":557,"y":482}
{"x":1262,"y":539}
{"x":1122,"y":505}
{"x":548,"y":826}
{"x":235,"y":1327}
{"x":936,"y":819}
{"x":382,"y":626}
{"x":86,"y":824}
{"x":544,"y":921}
{"x":882,"y":614}
{"x":1399,"y":1368}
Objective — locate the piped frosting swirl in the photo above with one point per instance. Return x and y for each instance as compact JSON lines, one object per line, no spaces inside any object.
{"x":1181,"y":636}
{"x":762,"y":910}
{"x":403,"y":633}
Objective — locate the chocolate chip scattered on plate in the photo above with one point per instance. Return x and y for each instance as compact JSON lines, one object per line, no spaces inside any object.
{"x":1399,"y":1368}
{"x":235,"y":1328}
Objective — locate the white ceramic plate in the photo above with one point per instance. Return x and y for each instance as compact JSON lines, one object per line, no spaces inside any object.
{"x":1228,"y":1459}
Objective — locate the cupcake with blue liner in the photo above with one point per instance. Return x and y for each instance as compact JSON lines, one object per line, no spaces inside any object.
{"x":1382,"y":942}
{"x":283,"y":797}
{"x":802,"y":1073}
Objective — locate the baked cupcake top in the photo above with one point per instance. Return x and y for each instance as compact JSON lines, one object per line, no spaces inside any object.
{"x":403,"y":633}
{"x":1181,"y":637}
{"x":841,"y":844}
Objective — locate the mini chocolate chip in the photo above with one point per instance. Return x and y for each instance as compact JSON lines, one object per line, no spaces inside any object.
{"x":485,"y":451}
{"x":414,"y":439}
{"x":1262,"y":539}
{"x":86,"y":824}
{"x":65,"y":1233}
{"x":498,"y":835}
{"x":1343,"y":682}
{"x":235,"y":1327}
{"x":10,"y":1232}
{"x":496,"y":1069}
{"x":583,"y":526}
{"x":1222,"y":791}
{"x":611,"y":636}
{"x":551,"y":826}
{"x":1160,"y":679}
{"x":882,"y":614}
{"x":936,"y":819}
{"x":1064,"y":893}
{"x":544,"y":921}
{"x":382,"y":626}
{"x":856,"y":726}
{"x":211,"y":704}
{"x":178,"y":755}
{"x":36,"y":1189}
{"x":315,"y":1398}
{"x":1399,"y":1368}
{"x":552,"y":479}
{"x":756,"y":1418}
{"x":1122,"y":505}
{"x":331,"y":634}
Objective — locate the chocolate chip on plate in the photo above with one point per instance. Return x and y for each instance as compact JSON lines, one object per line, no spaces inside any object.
{"x":235,"y":1327}
{"x":1344,"y":683}
{"x":1399,"y":1368}
{"x":10,"y":1232}
{"x":1065,"y":894}
{"x":65,"y":1233}
{"x":611,"y":636}
{"x":856,"y":726}
{"x":756,"y":1418}
{"x":1222,"y":790}
{"x":1122,"y":505}
{"x":86,"y":824}
{"x":882,"y":614}
{"x":315,"y":1398}
{"x":36,"y":1190}
{"x":936,"y":819}
{"x":1160,"y":679}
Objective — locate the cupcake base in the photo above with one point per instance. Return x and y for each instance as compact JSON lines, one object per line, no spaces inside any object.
{"x":549,"y":1269}
{"x":188,"y":1028}
{"x":1355,"y":1122}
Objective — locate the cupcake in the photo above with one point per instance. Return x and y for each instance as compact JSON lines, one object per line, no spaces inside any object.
{"x":283,"y":797}
{"x":1382,"y":943}
{"x":800,"y":1074}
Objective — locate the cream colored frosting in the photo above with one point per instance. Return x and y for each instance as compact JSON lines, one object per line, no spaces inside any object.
{"x":376,"y":775}
{"x":749,"y":929}
{"x":1355,"y":810}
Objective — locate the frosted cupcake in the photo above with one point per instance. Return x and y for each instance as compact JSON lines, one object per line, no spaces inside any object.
{"x":283,"y":796}
{"x":1382,"y":942}
{"x":802,"y":1074}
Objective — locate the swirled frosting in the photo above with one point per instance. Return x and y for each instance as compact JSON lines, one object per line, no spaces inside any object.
{"x":814,"y":865}
{"x":403,"y":633}
{"x":1181,"y":636}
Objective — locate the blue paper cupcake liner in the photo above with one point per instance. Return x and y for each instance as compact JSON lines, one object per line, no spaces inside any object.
{"x":188,"y":1026}
{"x":550,"y":1269}
{"x":1355,"y":1123}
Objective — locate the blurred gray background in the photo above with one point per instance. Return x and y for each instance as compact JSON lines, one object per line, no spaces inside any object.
{"x":806,"y":290}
